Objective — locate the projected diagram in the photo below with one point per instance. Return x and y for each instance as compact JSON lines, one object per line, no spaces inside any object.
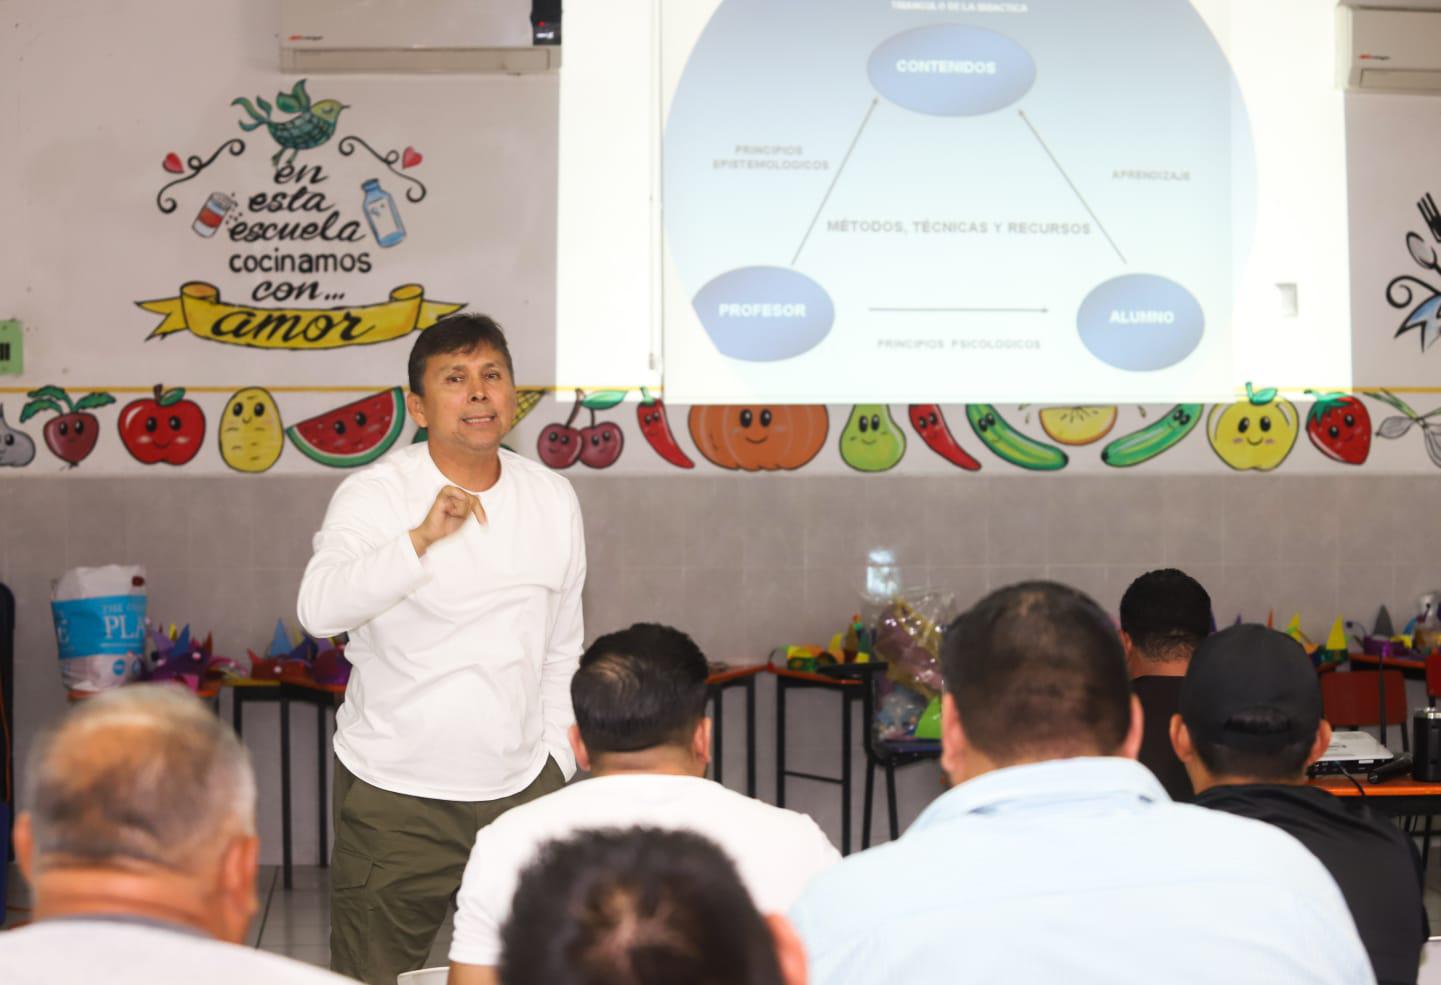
{"x":1049,"y":187}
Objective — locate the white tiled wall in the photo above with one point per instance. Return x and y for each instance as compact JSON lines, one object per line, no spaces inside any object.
{"x":743,"y":563}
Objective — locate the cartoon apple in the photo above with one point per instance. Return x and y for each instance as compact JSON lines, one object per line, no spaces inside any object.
{"x":1256,"y":433}
{"x":164,"y":428}
{"x":71,"y":435}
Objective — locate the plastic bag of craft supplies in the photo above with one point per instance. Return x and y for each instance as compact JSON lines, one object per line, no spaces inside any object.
{"x":100,"y":625}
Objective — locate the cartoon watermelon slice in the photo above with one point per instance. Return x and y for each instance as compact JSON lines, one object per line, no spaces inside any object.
{"x":356,"y":434}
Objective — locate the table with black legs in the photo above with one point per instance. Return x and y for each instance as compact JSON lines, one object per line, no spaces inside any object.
{"x":851,"y":690}
{"x":324,"y":698}
{"x":723,"y":679}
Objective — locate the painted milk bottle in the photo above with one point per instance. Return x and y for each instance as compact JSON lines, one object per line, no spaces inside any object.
{"x":382,"y":214}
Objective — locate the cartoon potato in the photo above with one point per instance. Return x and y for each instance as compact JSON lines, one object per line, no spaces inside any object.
{"x":251,"y":438}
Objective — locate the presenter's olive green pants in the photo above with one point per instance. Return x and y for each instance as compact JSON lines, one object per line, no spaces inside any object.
{"x":396,"y":867}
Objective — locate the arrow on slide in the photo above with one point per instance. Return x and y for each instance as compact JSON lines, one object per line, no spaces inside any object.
{"x":844,"y":160}
{"x":1002,"y":311}
{"x":1086,"y":205}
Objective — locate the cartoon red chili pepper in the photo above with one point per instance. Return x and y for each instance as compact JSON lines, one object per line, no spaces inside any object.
{"x":931,"y":425}
{"x":650,"y":412}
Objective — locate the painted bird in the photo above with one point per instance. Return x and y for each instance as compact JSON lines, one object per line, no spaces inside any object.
{"x":311,"y":126}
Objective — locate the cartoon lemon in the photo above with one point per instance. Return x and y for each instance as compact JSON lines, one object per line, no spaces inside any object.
{"x":251,"y":437}
{"x":1078,"y":425}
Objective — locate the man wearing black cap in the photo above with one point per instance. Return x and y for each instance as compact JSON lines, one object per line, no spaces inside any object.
{"x":1164,"y":615}
{"x":1250,"y":724}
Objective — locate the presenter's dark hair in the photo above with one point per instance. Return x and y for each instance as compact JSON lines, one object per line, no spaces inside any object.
{"x":455,"y":333}
{"x":1166,"y":613}
{"x":637,"y":688}
{"x":635,"y":907}
{"x":1036,"y":671}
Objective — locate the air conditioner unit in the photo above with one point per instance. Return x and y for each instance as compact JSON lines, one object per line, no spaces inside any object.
{"x":1389,"y":49}
{"x":511,"y":36}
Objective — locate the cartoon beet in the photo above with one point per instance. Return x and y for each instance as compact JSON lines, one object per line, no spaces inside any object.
{"x":650,"y":414}
{"x":72,"y":434}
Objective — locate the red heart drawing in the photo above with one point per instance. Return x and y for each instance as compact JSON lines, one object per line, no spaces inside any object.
{"x":172,"y":163}
{"x":410,"y":158}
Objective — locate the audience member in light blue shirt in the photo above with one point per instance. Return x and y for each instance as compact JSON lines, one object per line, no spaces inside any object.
{"x":1056,"y":857}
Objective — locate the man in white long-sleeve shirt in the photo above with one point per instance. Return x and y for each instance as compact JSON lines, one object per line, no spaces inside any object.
{"x":456,"y":567}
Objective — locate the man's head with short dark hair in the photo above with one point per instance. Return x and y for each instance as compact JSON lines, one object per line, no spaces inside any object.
{"x":457,"y":333}
{"x":142,"y":797}
{"x":462,"y":391}
{"x":1035,"y":671}
{"x":1165,"y":614}
{"x":1250,"y":709}
{"x":638,"y":690}
{"x":640,"y":907}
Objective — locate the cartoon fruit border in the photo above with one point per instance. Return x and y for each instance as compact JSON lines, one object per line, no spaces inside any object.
{"x":928,"y":420}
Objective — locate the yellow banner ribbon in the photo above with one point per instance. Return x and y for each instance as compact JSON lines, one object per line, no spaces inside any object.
{"x":198,"y":308}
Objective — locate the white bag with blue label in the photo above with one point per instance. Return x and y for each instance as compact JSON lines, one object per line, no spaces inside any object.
{"x":100,"y":625}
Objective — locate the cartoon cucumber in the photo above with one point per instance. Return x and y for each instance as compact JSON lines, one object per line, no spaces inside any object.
{"x":1156,"y":437}
{"x":1010,"y":444}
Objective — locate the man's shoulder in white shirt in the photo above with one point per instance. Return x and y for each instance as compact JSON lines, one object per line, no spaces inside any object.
{"x":776,"y":851}
{"x":126,"y":953}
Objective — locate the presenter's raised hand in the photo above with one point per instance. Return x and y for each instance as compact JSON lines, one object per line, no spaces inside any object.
{"x":452,"y":506}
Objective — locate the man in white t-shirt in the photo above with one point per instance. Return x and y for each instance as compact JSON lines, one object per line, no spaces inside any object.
{"x":456,"y":567}
{"x":138,"y":842}
{"x":639,"y":699}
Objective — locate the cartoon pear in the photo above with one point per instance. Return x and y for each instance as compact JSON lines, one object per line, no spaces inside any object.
{"x":871,"y":440}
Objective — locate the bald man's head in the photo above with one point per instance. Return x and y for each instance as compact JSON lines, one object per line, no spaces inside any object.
{"x":141,"y":776}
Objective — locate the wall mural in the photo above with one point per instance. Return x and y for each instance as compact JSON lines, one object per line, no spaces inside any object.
{"x":315,"y":231}
{"x":298,"y":212}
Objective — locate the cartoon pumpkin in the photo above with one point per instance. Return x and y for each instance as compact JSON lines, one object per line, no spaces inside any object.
{"x":756,"y":438}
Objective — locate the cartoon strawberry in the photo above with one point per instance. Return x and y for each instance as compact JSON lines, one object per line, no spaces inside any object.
{"x":1340,"y":426}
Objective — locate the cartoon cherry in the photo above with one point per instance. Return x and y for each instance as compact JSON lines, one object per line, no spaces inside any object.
{"x":601,"y":444}
{"x":560,"y":446}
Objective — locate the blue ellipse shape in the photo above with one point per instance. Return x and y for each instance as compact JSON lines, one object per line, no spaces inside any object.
{"x":1141,"y":322}
{"x":762,"y":314}
{"x":951,"y":70}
